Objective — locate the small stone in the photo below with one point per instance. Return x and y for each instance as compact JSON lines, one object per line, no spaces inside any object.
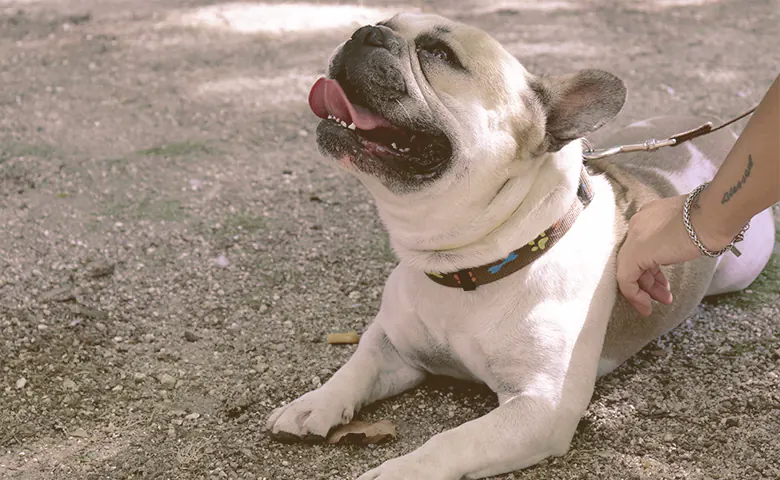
{"x":101,"y":269}
{"x":732,"y":422}
{"x":316,"y":382}
{"x":139,"y":377}
{"x":193,"y":416}
{"x":78,"y":433}
{"x":222,"y":261}
{"x":166,"y":380}
{"x":190,"y":336}
{"x":21,"y":383}
{"x":118,"y":388}
{"x":668,"y":438}
{"x":69,"y":384}
{"x":261,"y":367}
{"x":100,"y":326}
{"x":42,"y":326}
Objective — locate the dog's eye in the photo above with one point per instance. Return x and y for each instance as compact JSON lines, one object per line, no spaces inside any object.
{"x":440,"y":51}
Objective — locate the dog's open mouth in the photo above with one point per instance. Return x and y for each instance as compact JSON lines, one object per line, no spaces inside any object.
{"x":398,"y":147}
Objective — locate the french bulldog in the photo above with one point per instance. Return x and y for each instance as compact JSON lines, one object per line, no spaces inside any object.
{"x":469,"y":158}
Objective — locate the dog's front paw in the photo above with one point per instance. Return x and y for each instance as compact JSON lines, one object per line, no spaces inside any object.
{"x":310,"y":417}
{"x":413,"y":466}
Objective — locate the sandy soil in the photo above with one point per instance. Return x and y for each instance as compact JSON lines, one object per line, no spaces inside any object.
{"x":173,"y":250}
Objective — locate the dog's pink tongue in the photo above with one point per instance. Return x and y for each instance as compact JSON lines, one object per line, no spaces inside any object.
{"x":328,"y":98}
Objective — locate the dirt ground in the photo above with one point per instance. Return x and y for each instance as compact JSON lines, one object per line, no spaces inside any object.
{"x":173,"y":250}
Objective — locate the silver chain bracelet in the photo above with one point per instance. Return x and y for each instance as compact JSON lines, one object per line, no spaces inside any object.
{"x":691,"y":233}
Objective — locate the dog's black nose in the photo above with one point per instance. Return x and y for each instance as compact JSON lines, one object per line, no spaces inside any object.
{"x":370,"y":36}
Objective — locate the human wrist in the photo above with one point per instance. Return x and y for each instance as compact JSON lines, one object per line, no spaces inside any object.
{"x":714,"y":224}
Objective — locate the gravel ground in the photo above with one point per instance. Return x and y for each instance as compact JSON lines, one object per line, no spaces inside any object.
{"x":173,"y":251}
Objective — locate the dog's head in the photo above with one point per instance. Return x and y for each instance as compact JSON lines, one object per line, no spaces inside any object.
{"x":421,"y":103}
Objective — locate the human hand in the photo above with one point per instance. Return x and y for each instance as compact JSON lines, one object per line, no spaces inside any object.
{"x":656,"y":236}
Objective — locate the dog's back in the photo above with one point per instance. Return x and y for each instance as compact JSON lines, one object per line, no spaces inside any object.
{"x":643,"y":177}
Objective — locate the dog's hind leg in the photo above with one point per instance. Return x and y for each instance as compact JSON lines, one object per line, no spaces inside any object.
{"x":374,"y":372}
{"x":736,"y":273}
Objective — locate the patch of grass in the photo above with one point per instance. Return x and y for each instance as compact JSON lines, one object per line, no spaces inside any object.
{"x":169,"y":210}
{"x":147,"y":209}
{"x":246,"y":221}
{"x":764,"y":290}
{"x":178,"y":149}
{"x":10,"y":150}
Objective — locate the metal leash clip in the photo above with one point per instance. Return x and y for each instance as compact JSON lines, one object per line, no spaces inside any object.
{"x":646,"y":146}
{"x":652,"y":145}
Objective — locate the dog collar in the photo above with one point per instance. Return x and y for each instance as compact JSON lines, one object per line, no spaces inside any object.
{"x":470,"y":278}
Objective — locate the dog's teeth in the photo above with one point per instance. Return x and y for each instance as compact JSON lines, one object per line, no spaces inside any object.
{"x":351,"y":126}
{"x":344,"y":124}
{"x":394,"y":146}
{"x":330,"y":117}
{"x":404,"y":150}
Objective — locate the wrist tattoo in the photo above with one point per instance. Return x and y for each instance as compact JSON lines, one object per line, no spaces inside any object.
{"x":733,"y":190}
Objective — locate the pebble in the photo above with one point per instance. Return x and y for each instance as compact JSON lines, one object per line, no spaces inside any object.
{"x":101,"y":269}
{"x":78,"y":433}
{"x":166,"y":380}
{"x":193,"y":416}
{"x":668,"y":438}
{"x":222,"y":261}
{"x":69,"y":384}
{"x":21,"y":383}
{"x":118,"y":388}
{"x":190,"y":336}
{"x":315,"y":381}
{"x":261,"y":367}
{"x":139,"y":377}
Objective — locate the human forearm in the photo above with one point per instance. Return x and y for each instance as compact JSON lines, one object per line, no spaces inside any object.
{"x":749,"y":179}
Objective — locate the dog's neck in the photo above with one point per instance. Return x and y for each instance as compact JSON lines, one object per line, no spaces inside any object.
{"x":475,"y":230}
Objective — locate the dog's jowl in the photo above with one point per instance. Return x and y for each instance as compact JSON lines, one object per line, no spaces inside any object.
{"x":507,"y":244}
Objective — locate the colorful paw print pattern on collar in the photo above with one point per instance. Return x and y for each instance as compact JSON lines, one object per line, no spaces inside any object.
{"x":470,"y":278}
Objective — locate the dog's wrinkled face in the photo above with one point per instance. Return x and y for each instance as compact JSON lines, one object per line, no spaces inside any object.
{"x":419,"y":99}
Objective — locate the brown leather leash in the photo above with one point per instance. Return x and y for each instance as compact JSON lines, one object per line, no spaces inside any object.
{"x":653,"y":144}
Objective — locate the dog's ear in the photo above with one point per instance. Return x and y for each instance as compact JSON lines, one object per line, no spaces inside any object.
{"x":577,"y":104}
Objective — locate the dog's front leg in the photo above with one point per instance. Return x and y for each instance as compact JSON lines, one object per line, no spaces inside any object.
{"x":374,"y":372}
{"x":518,"y":434}
{"x":536,"y":418}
